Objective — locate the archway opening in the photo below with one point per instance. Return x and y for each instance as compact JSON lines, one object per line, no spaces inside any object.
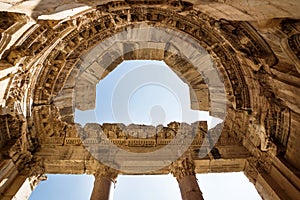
{"x":152,"y":100}
{"x":143,"y":92}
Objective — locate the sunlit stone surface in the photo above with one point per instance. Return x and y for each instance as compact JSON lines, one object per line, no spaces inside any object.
{"x":241,"y":56}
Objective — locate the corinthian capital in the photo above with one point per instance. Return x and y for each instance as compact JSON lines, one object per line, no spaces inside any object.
{"x":182,"y":167}
{"x":104,"y":171}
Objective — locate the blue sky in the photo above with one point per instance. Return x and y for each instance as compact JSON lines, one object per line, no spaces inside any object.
{"x":144,"y":92}
{"x":228,"y":186}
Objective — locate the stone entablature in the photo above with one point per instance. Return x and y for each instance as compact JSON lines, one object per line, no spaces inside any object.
{"x":139,"y":136}
{"x":255,"y":49}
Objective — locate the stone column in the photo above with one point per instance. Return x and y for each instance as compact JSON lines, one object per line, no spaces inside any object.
{"x":184,"y":171}
{"x":19,"y":180}
{"x":104,"y":176}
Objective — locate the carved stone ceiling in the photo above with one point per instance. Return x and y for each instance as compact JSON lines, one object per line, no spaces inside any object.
{"x":252,"y":44}
{"x":242,"y":9}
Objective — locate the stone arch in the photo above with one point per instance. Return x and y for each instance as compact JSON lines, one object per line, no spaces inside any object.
{"x":62,"y":42}
{"x":223,"y":53}
{"x":92,"y":69}
{"x":238,"y":50}
{"x":81,"y":33}
{"x":62,"y":59}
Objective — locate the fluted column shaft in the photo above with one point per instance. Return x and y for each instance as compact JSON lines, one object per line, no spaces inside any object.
{"x":104,"y":177}
{"x":184,"y":171}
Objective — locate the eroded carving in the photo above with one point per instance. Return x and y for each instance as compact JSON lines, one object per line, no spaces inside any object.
{"x":104,"y":171}
{"x":101,"y":26}
{"x":184,"y":166}
{"x":258,"y":128}
{"x":245,"y":39}
{"x":250,"y":170}
{"x":259,"y":164}
{"x":228,"y":42}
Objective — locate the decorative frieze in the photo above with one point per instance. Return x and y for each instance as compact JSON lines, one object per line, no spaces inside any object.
{"x":100,"y":26}
{"x":44,"y":57}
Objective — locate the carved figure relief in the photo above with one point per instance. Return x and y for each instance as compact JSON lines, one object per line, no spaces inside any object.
{"x":259,"y":130}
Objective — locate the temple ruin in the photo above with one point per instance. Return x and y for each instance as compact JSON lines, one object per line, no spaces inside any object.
{"x":240,"y":59}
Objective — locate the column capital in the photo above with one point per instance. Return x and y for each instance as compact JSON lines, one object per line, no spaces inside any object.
{"x":182,"y":167}
{"x":104,"y":171}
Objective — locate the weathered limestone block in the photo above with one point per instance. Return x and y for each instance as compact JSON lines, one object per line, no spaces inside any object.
{"x":93,"y":130}
{"x":175,"y":32}
{"x":83,"y":90}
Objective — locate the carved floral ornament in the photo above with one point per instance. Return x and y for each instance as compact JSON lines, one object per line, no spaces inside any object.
{"x":184,"y":166}
{"x":94,"y":26}
{"x":291,"y":43}
{"x":63,"y":43}
{"x":103,"y":171}
{"x":48,"y":55}
{"x":255,"y":165}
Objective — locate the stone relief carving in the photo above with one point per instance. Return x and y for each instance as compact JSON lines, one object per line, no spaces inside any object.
{"x":89,"y":30}
{"x":294,"y":46}
{"x":103,"y":171}
{"x":52,"y":125}
{"x":63,"y":133}
{"x":74,"y":42}
{"x":257,"y":127}
{"x":18,"y":87}
{"x":245,"y":39}
{"x":20,"y":157}
{"x":14,"y":55}
{"x":258,"y":164}
{"x":21,"y":153}
{"x":92,"y":29}
{"x":266,"y":127}
{"x":165,"y":132}
{"x":6,"y":20}
{"x":250,"y":170}
{"x":92,"y":131}
{"x":184,"y":166}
